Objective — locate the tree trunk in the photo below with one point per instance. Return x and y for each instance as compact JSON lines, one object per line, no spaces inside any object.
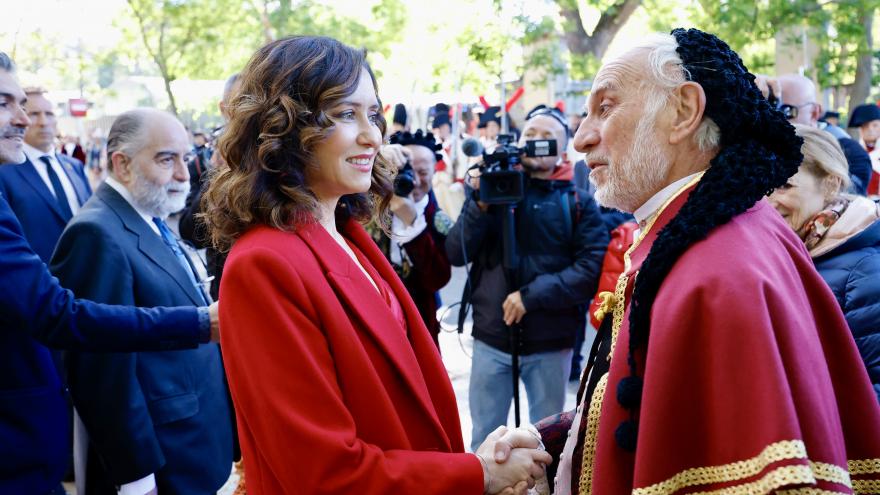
{"x":861,"y":87}
{"x":167,"y":80}
{"x":610,"y":22}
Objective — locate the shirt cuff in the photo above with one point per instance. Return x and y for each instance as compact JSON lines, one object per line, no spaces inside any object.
{"x":204,"y":324}
{"x":402,"y":233}
{"x":139,"y":487}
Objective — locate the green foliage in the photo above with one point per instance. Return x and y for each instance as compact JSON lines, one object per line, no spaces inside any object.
{"x":833,"y":25}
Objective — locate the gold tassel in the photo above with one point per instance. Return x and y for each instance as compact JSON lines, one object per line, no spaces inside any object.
{"x":608,"y":302}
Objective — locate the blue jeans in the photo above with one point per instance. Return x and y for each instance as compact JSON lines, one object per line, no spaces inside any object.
{"x":491,"y":388}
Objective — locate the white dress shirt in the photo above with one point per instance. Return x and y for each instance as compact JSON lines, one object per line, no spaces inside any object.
{"x":647,"y":210}
{"x":34,"y":156}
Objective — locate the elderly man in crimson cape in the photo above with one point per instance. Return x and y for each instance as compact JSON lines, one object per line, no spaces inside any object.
{"x":723,"y":363}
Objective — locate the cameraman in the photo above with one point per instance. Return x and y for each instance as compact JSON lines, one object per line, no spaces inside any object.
{"x":419,"y":227}
{"x":560,"y":240}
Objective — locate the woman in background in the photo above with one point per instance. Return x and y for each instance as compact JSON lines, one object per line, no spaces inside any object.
{"x":842,"y":234}
{"x":337,"y":385}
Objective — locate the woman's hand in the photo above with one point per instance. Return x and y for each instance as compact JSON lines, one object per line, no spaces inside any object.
{"x":511,"y":458}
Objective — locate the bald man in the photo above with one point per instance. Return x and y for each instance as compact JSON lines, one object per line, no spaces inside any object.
{"x":798,"y":96}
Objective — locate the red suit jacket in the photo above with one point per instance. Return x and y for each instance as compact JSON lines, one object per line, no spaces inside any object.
{"x":753,"y":383}
{"x":332,"y":395}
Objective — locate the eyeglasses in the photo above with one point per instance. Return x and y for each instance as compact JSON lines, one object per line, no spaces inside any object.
{"x":792,"y":111}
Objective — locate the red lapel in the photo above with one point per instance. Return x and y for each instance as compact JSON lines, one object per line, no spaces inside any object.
{"x":362,"y":299}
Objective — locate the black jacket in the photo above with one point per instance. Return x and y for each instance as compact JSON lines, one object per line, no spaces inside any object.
{"x":852,"y":270}
{"x":561,"y":241}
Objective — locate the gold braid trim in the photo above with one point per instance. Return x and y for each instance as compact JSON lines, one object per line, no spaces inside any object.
{"x":864,"y":466}
{"x":830,"y":472}
{"x":775,"y":452}
{"x":866,"y":486}
{"x":619,"y":311}
{"x":782,"y":476}
{"x":808,"y":491}
{"x":585,"y":483}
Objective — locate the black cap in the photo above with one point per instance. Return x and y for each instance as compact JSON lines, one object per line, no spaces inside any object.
{"x":491,"y":114}
{"x":400,"y":114}
{"x":863,"y":114}
{"x":441,"y":115}
{"x":418,"y":138}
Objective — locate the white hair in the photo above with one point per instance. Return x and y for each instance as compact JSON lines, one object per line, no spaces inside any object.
{"x":667,"y":72}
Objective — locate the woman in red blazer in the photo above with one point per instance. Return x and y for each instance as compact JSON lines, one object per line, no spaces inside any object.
{"x":337,"y":384}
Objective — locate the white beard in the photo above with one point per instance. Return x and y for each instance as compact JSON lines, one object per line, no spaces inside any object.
{"x":156,"y":199}
{"x":640,"y":173}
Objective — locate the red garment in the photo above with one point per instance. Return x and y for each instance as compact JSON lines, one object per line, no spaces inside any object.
{"x":563,"y":171}
{"x":874,"y":184}
{"x":612,"y":265}
{"x":383,"y":287}
{"x":752,"y":378}
{"x":330,"y":396}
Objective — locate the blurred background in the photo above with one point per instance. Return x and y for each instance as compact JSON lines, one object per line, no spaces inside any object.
{"x":97,"y":58}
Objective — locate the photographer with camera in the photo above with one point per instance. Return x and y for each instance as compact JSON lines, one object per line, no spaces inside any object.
{"x":536,"y":285}
{"x":418,"y":225}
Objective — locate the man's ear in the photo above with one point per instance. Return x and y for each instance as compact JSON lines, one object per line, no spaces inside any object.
{"x":689,"y":101}
{"x":120,"y":167}
{"x":817,"y":113}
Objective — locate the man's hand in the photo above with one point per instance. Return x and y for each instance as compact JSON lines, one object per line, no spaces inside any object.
{"x":396,"y":154}
{"x":523,"y":464}
{"x":473,"y":179}
{"x":514,"y":309}
{"x":767,"y":83}
{"x":404,"y":209}
{"x":214,"y":311}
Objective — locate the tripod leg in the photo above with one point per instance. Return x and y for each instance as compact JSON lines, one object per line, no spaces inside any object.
{"x":514,"y":362}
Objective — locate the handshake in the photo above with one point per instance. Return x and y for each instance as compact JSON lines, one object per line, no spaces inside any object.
{"x":513,"y":461}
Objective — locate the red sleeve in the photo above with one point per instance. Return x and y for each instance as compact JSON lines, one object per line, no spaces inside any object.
{"x":297,"y":432}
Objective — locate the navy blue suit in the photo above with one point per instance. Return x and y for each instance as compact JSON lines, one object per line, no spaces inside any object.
{"x":34,"y":204}
{"x":166,"y":413}
{"x":36,"y":310}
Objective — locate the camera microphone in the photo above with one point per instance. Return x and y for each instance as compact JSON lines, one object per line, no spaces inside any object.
{"x":471,"y":147}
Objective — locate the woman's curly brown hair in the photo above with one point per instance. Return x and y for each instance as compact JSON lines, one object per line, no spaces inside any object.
{"x":276,"y":118}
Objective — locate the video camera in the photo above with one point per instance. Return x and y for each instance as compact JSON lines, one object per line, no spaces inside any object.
{"x":500,"y":180}
{"x":405,"y":181}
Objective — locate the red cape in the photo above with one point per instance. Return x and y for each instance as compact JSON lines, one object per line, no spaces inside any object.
{"x":752,"y":380}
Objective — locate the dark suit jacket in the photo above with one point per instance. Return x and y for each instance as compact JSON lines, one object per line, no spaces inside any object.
{"x":35,"y":310}
{"x":36,"y":206}
{"x":151,"y":412}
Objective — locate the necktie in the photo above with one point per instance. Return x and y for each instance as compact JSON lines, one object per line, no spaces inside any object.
{"x":60,"y":196}
{"x":171,"y":242}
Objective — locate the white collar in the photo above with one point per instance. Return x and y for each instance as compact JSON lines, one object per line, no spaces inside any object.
{"x":423,"y":203}
{"x":126,"y":195}
{"x":34,"y":155}
{"x":644,"y":212}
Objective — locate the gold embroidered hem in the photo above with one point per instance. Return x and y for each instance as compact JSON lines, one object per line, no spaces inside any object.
{"x":585,"y":483}
{"x":866,"y":486}
{"x":778,"y":477}
{"x":864,"y":466}
{"x":808,"y":491}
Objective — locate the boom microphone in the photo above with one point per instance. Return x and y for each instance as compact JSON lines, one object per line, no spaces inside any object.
{"x":471,"y":147}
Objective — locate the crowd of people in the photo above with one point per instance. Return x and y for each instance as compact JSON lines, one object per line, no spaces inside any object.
{"x":715,"y":231}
